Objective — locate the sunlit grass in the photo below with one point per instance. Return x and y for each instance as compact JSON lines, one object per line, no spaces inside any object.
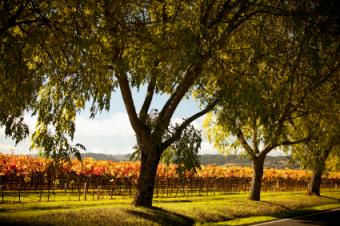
{"x":288,"y":214}
{"x":220,"y":209}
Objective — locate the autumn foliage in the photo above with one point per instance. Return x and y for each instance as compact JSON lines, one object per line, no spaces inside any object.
{"x":21,"y":165}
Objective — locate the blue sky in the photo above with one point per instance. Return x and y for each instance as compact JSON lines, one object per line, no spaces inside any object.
{"x":110,"y":132}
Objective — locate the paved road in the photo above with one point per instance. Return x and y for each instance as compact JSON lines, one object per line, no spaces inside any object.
{"x":323,"y":218}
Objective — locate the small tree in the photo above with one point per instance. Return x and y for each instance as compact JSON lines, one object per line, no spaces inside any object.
{"x":324,"y":129}
{"x":281,"y":68}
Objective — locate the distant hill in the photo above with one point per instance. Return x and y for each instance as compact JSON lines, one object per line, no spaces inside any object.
{"x":218,"y":160}
{"x":237,"y":160}
{"x":114,"y":158}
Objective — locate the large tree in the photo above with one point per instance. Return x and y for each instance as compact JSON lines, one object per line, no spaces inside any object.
{"x":171,"y":47}
{"x":90,"y":49}
{"x":287,"y":58}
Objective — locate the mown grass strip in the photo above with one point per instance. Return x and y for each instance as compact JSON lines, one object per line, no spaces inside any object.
{"x":210,"y":210}
{"x":278,"y":216}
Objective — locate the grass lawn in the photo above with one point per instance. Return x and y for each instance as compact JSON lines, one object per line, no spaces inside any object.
{"x":220,"y":209}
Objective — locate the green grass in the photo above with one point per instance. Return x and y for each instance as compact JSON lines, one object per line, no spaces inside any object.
{"x":275,"y":216}
{"x":220,"y":209}
{"x":57,"y":195}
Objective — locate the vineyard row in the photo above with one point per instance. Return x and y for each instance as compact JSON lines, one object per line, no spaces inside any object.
{"x":105,"y":187}
{"x":28,"y":175}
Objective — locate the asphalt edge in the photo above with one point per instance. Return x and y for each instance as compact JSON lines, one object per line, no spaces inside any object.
{"x":295,"y":217}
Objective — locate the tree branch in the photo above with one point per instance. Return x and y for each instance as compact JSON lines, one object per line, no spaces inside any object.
{"x":256,"y":149}
{"x":281,"y":122}
{"x":244,"y":143}
{"x":323,"y":80}
{"x":184,"y":124}
{"x":12,"y":20}
{"x":244,"y":5}
{"x":267,"y":148}
{"x":288,"y":142}
{"x":147,"y":101}
{"x":172,"y":103}
{"x":128,"y":102}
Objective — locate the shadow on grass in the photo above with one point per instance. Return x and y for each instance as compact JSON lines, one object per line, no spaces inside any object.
{"x":161,"y":216}
{"x":325,"y":217}
{"x":34,"y":208}
{"x":275,"y":204}
{"x":171,"y":201}
{"x":283,"y":215}
{"x":308,"y":217}
{"x":11,"y":222}
{"x":328,"y":197}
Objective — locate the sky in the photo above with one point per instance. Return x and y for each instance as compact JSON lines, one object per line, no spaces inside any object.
{"x":110,"y":132}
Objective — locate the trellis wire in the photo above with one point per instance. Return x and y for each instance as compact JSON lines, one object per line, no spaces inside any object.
{"x":106,"y":187}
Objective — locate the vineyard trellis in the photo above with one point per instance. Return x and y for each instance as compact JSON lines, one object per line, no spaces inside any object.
{"x":22,"y":176}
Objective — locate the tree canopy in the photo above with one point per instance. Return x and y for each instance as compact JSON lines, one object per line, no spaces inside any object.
{"x":322,"y":123}
{"x":96,"y":47}
{"x":20,"y":30}
{"x":284,"y":60}
{"x":243,"y":55}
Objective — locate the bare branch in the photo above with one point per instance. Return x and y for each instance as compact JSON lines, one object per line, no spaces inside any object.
{"x":184,"y":124}
{"x":256,"y":149}
{"x":244,"y":143}
{"x":267,"y":148}
{"x":325,"y":78}
{"x":147,"y":101}
{"x":288,"y":142}
{"x":128,"y":101}
{"x":12,"y":21}
{"x":281,"y":122}
{"x":172,"y":103}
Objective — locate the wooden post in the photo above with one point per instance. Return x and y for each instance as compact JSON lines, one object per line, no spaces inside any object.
{"x":167,"y":188}
{"x":98,"y":192}
{"x":53,"y":188}
{"x":79,"y":190}
{"x":112,"y":185}
{"x":2,"y":193}
{"x":85,"y":188}
{"x":41,"y":190}
{"x":20,"y":184}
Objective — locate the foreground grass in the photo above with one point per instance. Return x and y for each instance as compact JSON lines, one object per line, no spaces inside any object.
{"x":212,"y":210}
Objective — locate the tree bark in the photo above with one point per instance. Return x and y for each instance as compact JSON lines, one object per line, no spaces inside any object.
{"x":255,"y":189}
{"x":314,"y":186}
{"x":146,"y":183}
{"x":320,"y":165}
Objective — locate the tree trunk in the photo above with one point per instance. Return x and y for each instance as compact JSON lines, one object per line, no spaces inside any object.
{"x":255,"y":189}
{"x":145,"y":187}
{"x":314,"y":186}
{"x":320,"y":164}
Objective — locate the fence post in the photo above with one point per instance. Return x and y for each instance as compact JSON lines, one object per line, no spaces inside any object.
{"x":112,"y":187}
{"x":85,"y":188}
{"x":41,"y":181}
{"x":48,"y":188}
{"x":20,"y":184}
{"x":98,"y":191}
{"x":2,"y":193}
{"x":79,"y":189}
